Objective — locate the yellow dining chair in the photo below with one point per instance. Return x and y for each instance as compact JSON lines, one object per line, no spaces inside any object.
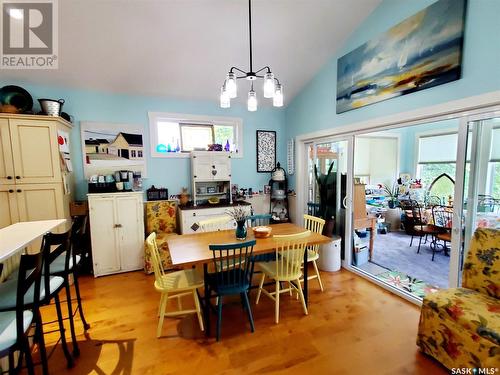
{"x":174,"y":285}
{"x":214,"y":224}
{"x":286,"y":268}
{"x":314,"y":224}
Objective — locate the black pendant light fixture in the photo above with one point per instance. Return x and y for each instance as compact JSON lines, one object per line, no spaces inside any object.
{"x":272,"y":87}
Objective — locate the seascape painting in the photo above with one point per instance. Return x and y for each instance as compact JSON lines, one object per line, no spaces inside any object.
{"x":423,"y":51}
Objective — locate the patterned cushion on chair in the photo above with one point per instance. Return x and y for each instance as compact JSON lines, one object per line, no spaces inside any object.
{"x":482,"y":267}
{"x":460,"y":328}
{"x":161,"y":217}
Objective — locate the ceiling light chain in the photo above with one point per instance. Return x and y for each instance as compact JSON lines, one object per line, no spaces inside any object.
{"x":272,"y":87}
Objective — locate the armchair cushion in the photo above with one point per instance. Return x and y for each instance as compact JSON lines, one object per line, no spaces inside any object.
{"x":161,"y":219}
{"x":482,"y":266}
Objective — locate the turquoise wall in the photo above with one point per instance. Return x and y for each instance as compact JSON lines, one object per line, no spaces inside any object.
{"x":130,"y":109}
{"x":314,"y":108}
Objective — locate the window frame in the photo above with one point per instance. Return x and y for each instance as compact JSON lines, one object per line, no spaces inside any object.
{"x":182,"y":118}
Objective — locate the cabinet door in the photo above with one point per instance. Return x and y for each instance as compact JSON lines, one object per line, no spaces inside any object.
{"x":8,"y":206}
{"x":40,"y":201}
{"x":35,"y":151}
{"x":6,"y":163}
{"x":105,"y":254}
{"x":130,"y":232}
{"x":202,"y":168}
{"x":222,"y":166}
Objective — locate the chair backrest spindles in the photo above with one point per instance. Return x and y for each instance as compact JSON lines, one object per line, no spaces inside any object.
{"x":232,"y":264}
{"x":290,"y":254}
{"x":314,"y":224}
{"x":156,"y":260}
{"x":214,"y":224}
{"x":258,"y":220}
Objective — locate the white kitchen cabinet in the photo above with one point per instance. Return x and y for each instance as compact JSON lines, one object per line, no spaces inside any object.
{"x":117,"y":232}
{"x":211,"y":176}
{"x":190,"y":216}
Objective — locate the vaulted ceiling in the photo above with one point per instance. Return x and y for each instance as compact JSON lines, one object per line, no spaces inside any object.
{"x":184,"y":48}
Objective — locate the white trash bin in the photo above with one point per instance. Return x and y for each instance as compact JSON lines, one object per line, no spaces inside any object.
{"x":329,"y":256}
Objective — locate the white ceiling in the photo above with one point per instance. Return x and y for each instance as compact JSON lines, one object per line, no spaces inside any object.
{"x":184,"y":48}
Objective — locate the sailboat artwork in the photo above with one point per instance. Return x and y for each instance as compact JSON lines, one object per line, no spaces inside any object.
{"x":423,"y":51}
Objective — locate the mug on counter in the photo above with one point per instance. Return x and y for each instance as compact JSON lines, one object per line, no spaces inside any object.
{"x":119,"y":186}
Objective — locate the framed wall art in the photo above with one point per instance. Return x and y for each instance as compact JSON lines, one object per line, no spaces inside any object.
{"x":423,"y":51}
{"x":266,"y":151}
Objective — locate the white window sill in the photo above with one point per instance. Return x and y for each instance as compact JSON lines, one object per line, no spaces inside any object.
{"x":186,"y":155}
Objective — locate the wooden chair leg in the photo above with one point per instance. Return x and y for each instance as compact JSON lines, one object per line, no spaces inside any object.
{"x":219,"y":318}
{"x":302,"y":299}
{"x":317,"y":274}
{"x":244,"y":297}
{"x":163,"y":308}
{"x":411,"y":241}
{"x":64,"y":344}
{"x":162,"y":295}
{"x":419,"y":243}
{"x":277,"y":303}
{"x":76,"y":350}
{"x":260,"y":288}
{"x":12,"y":368}
{"x":198,"y":310}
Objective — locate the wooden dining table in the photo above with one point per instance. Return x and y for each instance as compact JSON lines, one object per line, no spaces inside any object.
{"x":192,"y":249}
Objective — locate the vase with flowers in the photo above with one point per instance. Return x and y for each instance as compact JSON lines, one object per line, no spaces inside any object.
{"x":239,"y":215}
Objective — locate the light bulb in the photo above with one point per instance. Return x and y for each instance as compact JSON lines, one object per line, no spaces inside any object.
{"x":268,"y":85}
{"x":278,"y":96}
{"x":225,"y":101}
{"x":231,"y":87}
{"x":252,"y":101}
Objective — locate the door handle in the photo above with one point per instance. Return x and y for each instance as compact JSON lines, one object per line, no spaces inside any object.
{"x":344,"y":201}
{"x":118,"y":225}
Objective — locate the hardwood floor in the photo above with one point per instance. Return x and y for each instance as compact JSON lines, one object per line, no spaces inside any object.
{"x":353,"y":327}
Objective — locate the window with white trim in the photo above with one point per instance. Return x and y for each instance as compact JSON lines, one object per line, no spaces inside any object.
{"x":176,"y":135}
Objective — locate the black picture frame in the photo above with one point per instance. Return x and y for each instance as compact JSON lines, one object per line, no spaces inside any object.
{"x":266,"y":150}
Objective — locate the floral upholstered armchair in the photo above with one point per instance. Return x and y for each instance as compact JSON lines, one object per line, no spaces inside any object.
{"x":460,"y":327}
{"x":161,"y":219}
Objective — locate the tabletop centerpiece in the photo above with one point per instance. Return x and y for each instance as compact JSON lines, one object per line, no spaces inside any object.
{"x":239,"y":215}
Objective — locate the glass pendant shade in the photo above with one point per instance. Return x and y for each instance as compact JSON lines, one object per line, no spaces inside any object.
{"x":231,"y":87}
{"x":252,"y":101}
{"x":225,"y":101}
{"x":268,"y":85}
{"x":278,"y":96}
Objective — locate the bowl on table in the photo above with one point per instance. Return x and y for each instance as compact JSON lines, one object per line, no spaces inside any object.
{"x":262,"y":231}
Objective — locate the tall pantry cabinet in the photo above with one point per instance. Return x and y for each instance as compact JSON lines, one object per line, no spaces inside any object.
{"x":32,"y":174}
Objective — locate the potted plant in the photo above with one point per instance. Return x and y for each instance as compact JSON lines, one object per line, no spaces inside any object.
{"x":239,"y":215}
{"x":326,"y":190}
{"x":392,"y":195}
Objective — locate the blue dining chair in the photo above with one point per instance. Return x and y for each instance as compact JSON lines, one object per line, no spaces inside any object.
{"x":257,"y":220}
{"x":232,"y":276}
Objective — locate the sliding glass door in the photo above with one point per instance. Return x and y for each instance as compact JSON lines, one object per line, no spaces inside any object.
{"x":479,"y":167}
{"x":328,"y":179}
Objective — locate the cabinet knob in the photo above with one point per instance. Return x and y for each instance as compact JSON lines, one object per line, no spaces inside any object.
{"x":195,"y":176}
{"x":194,"y":213}
{"x":11,"y":191}
{"x":9,"y":177}
{"x":18,"y":177}
{"x":19,"y":190}
{"x":213,"y":166}
{"x":118,"y":225}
